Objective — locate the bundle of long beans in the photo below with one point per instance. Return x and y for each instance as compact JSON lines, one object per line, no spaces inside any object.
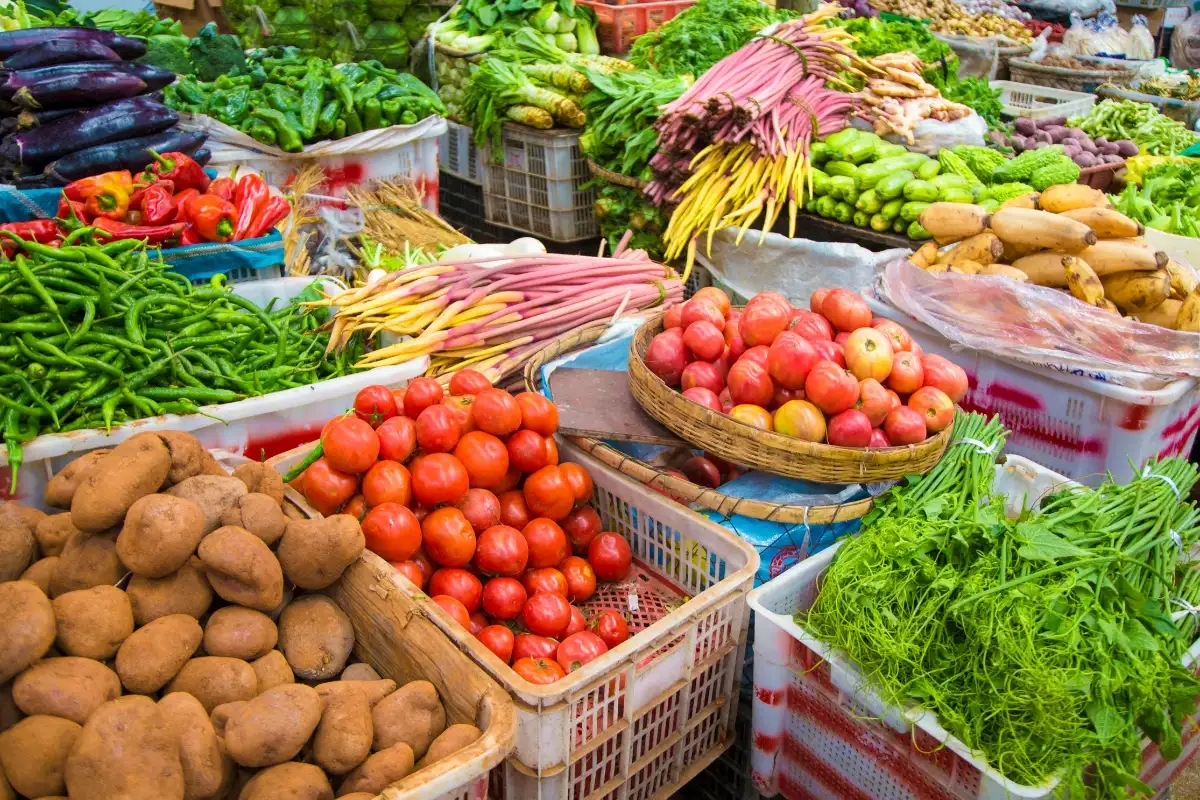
{"x":734,"y":146}
{"x":491,"y":313}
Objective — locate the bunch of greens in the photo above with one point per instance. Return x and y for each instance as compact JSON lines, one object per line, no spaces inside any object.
{"x":1168,"y":200}
{"x":500,"y":90}
{"x":621,"y":109}
{"x":874,"y":37}
{"x":971,"y":91}
{"x":1049,"y":643}
{"x":703,"y":35}
{"x":1154,"y":133}
{"x":477,"y":25}
{"x":141,"y":24}
{"x":620,"y":209}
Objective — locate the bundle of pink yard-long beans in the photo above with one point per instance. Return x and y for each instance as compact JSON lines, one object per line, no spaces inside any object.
{"x":492,"y":313}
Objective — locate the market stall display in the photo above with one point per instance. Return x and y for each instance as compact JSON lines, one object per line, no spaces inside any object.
{"x":979,"y":20}
{"x":1141,"y":123}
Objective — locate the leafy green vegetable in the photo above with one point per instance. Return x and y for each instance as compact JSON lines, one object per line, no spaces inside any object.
{"x":621,"y":208}
{"x":702,"y":35}
{"x":215,"y":54}
{"x":621,"y":109}
{"x":169,"y":52}
{"x":141,"y":24}
{"x":1154,"y":133}
{"x":971,"y":91}
{"x":875,"y":36}
{"x":1168,"y":200}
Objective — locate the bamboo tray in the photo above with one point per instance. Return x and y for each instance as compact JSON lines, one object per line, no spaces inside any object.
{"x":765,"y":450}
{"x":712,"y":499}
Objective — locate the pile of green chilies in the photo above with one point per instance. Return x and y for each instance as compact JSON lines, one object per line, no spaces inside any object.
{"x":96,"y":335}
{"x":1049,"y":643}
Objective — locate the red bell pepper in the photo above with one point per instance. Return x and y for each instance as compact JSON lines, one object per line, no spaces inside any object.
{"x":73,"y":209}
{"x":177,"y":203}
{"x":42,"y":231}
{"x":249,"y":198}
{"x":180,"y":169}
{"x":139,"y":189}
{"x":276,"y":209}
{"x":211,"y":217}
{"x":189,"y":237}
{"x":224,"y":187}
{"x":110,"y":230}
{"x":105,"y":195}
{"x":157,"y":204}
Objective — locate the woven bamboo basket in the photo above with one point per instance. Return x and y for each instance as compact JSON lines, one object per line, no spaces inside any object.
{"x":615,"y":177}
{"x":772,"y":452}
{"x":1077,"y":80}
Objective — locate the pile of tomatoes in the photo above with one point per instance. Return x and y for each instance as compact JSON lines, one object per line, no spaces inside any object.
{"x":464,"y":495}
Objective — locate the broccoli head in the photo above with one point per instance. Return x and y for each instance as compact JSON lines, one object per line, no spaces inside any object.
{"x":417,"y":20}
{"x":168,"y":52}
{"x":386,"y":42}
{"x":215,"y":54}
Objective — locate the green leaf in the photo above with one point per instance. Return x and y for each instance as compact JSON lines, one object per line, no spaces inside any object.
{"x":488,"y":15}
{"x":1139,"y":638}
{"x":1042,"y":545}
{"x":1105,"y":719}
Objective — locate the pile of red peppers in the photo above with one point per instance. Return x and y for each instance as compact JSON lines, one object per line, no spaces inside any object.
{"x":171,"y":204}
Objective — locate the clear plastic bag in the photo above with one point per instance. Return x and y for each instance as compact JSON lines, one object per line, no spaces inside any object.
{"x":1141,"y":41}
{"x":1185,"y":41}
{"x":1039,"y":325}
{"x":931,"y":135}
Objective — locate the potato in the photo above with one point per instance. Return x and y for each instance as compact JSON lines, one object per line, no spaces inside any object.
{"x":40,"y":571}
{"x":241,"y":568}
{"x":135,"y":468}
{"x":221,"y":715}
{"x":67,"y":687}
{"x":26,"y":626}
{"x":315,"y":552}
{"x":374,"y":690}
{"x":184,"y":592}
{"x":87,"y":560}
{"x":239,"y":633}
{"x":210,"y":466}
{"x":160,"y":534}
{"x":214,"y":680}
{"x":290,"y":781}
{"x":379,"y":771}
{"x":187,"y":455}
{"x":6,"y":790}
{"x":61,"y":488}
{"x":34,"y":751}
{"x":53,"y":533}
{"x":359,"y":796}
{"x":126,"y":750}
{"x":316,"y":637}
{"x":261,"y":479}
{"x":18,"y":548}
{"x":412,"y":714}
{"x":343,"y":739}
{"x":360,"y":672}
{"x":93,"y":622}
{"x":154,"y":653}
{"x":207,"y":769}
{"x":448,"y":742}
{"x":272,"y":670}
{"x":214,"y":494}
{"x":258,"y":513}
{"x":271,"y":728}
{"x":9,"y":713}
{"x":29,"y":517}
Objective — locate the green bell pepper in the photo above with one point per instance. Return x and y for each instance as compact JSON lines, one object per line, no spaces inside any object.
{"x":287,"y":136}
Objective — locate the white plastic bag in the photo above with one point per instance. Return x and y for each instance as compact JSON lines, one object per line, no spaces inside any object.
{"x":1141,"y":41}
{"x":1185,"y":41}
{"x":931,"y":135}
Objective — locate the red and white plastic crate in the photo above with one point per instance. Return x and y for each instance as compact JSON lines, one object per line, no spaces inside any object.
{"x":1077,"y":425}
{"x":650,"y":714}
{"x":821,"y":732}
{"x":618,"y":24}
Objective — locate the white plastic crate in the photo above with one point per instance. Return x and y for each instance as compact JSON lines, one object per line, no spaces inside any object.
{"x":1075,"y":424}
{"x":1039,"y":102}
{"x":650,"y":714}
{"x":458,"y":155}
{"x":821,"y":732}
{"x":269,"y":424}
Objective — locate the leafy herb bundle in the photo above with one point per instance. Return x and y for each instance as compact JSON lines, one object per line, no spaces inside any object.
{"x":1049,"y":642}
{"x":622,"y":108}
{"x":703,"y":35}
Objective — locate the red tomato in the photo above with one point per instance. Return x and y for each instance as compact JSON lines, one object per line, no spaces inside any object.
{"x":547,"y":543}
{"x":463,"y":586}
{"x":484,"y":457}
{"x":551,"y":452}
{"x":456,"y":610}
{"x":548,"y":494}
{"x":439,"y":478}
{"x":513,"y":511}
{"x":499,"y":640}
{"x":438,"y":429}
{"x":501,"y":550}
{"x":539,"y":671}
{"x":546,"y":614}
{"x":578,"y":649}
{"x":461,"y":408}
{"x":387,"y":482}
{"x":610,"y":556}
{"x":392,"y":532}
{"x":610,"y":626}
{"x":527,"y":451}
{"x":579,"y":481}
{"x":512,"y":479}
{"x":546,"y":579}
{"x":503,"y":598}
{"x":581,"y":526}
{"x":496,"y":412}
{"x":448,"y":537}
{"x":420,"y":394}
{"x":479,"y":621}
{"x":397,"y":439}
{"x":374,"y":404}
{"x":410,"y":570}
{"x":350,"y":445}
{"x":398,"y":396}
{"x":356,"y":508}
{"x":537,"y":413}
{"x":581,"y":578}
{"x":468,"y":381}
{"x":529,"y":646}
{"x":481,"y":508}
{"x":328,"y":489}
{"x":577,"y":624}
{"x":421,"y":559}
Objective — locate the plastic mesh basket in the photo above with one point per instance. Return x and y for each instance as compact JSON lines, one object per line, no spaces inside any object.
{"x":618,"y":25}
{"x":1039,"y":102}
{"x":458,"y":155}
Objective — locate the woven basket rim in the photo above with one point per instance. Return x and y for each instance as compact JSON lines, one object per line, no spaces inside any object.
{"x":616,"y":177}
{"x":1066,"y":72}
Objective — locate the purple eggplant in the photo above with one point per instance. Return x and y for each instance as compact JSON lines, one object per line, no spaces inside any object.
{"x":61,"y":51}
{"x":27,"y":119}
{"x":131,"y":154}
{"x":154,"y":77}
{"x":202,"y":156}
{"x":72,"y":90}
{"x":120,"y":119}
{"x":13,"y":42}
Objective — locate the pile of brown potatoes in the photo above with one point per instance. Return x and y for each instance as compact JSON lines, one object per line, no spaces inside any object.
{"x":211,"y":673}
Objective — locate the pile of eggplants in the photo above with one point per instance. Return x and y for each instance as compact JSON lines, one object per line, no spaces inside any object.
{"x":74,"y":103}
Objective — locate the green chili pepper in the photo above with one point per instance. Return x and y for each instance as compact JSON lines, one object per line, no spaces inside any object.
{"x":287,"y":136}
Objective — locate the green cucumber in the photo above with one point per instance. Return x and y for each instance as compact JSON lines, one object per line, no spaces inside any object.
{"x":956,"y":196}
{"x":879,"y":223}
{"x":893,"y":185}
{"x":861,"y":218}
{"x":841,"y":168}
{"x":839,"y":185}
{"x":820,"y":182}
{"x":825,"y":206}
{"x":920,"y":190}
{"x":912,"y":209}
{"x":869,"y":202}
{"x":928,"y":170}
{"x":891,"y":209}
{"x":950,"y":181}
{"x":915,"y":231}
